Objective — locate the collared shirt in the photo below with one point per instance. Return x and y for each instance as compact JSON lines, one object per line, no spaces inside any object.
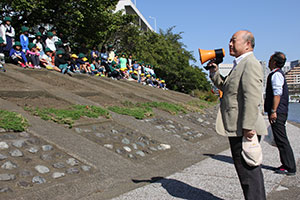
{"x":277,"y":82}
{"x":237,"y":60}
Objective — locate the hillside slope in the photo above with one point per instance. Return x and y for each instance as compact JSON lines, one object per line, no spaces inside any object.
{"x":100,"y":155}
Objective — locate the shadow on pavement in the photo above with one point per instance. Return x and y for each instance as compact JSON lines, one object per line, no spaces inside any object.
{"x":228,"y":159}
{"x":180,"y":189}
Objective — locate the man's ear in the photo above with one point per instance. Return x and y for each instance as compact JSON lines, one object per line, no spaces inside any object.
{"x":249,"y":45}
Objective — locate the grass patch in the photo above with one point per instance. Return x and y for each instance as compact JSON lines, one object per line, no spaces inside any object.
{"x":198,"y":105}
{"x":70,"y":115}
{"x":12,"y":121}
{"x":136,"y":112}
{"x":172,"y":108}
{"x":143,"y":110}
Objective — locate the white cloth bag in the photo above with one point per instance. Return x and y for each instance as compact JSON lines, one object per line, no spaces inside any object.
{"x":252,"y":152}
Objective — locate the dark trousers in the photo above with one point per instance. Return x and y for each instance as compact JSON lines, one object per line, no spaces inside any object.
{"x":251,"y":178}
{"x":285,"y":150}
{"x":115,"y":74}
{"x":16,"y":60}
{"x":34,"y":59}
{"x":107,"y":69}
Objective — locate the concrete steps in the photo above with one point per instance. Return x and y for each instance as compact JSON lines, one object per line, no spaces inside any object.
{"x":112,"y":169}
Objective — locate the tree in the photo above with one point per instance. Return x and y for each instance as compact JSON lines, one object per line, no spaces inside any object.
{"x":95,"y":23}
{"x":91,"y":22}
{"x":168,"y":54}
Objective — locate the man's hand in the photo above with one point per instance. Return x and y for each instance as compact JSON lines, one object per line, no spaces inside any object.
{"x":213,"y":67}
{"x":272,"y":118}
{"x":249,"y":133}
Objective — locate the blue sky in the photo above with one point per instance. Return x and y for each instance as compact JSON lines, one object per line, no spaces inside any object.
{"x":209,"y":24}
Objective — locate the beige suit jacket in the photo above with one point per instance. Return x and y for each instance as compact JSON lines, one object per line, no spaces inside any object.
{"x":242,"y":99}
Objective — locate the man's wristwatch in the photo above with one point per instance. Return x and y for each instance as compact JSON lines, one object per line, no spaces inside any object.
{"x":273,"y":111}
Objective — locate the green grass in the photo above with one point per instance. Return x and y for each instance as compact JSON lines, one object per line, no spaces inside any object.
{"x":199,"y":105}
{"x":136,"y":112}
{"x":172,"y":108}
{"x":12,"y":121}
{"x":144,"y":110}
{"x":70,"y":115}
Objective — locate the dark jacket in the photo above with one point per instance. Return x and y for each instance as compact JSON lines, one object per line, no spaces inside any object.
{"x":284,"y":98}
{"x":60,"y":61}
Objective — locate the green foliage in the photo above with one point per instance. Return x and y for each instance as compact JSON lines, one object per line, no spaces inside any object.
{"x":92,"y":22}
{"x":95,"y":23}
{"x":198,"y":105}
{"x":169,"y":107}
{"x":169,"y":55}
{"x":68,"y":116}
{"x":136,"y":112}
{"x":12,"y":121}
{"x":143,"y":110}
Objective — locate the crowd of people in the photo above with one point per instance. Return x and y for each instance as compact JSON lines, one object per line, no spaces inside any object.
{"x":47,"y":49}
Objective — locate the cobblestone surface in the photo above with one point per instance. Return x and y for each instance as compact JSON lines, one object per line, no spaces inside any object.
{"x":27,"y":161}
{"x":205,"y":120}
{"x":182,"y":131}
{"x":122,"y":140}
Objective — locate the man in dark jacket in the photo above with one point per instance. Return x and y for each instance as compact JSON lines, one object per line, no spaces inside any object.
{"x":276,"y":105}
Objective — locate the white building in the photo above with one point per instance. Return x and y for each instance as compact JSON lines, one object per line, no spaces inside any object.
{"x":129,"y":8}
{"x":287,"y":67}
{"x":294,"y":63}
{"x":293,"y":82}
{"x":266,"y":72}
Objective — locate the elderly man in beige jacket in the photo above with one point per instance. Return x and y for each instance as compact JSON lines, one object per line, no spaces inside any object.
{"x":239,"y":108}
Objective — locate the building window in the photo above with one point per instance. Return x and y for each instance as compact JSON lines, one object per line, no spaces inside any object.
{"x":297,"y":79}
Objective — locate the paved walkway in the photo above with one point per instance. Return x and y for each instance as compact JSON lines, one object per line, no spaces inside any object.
{"x":214,"y":177}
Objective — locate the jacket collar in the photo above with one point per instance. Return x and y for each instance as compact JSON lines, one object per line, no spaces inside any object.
{"x":241,"y":57}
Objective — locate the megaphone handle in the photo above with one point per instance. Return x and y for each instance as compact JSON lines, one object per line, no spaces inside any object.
{"x":218,"y":60}
{"x":213,"y":61}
